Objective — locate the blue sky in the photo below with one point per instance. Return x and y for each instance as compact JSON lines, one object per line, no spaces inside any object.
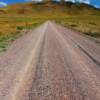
{"x":92,"y":2}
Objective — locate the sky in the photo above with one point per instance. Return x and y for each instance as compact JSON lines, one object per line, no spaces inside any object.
{"x":96,"y":3}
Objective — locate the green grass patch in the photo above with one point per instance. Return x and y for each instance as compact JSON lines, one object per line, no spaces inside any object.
{"x":93,"y":34}
{"x":6,"y":39}
{"x":3,"y":46}
{"x":20,"y":27}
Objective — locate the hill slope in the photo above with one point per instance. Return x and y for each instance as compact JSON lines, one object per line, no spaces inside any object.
{"x":49,"y":8}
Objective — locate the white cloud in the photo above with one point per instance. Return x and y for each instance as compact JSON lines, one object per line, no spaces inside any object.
{"x":80,"y":1}
{"x":84,"y":1}
{"x":34,"y":0}
{"x":3,"y":4}
{"x":97,"y":6}
{"x":70,"y":0}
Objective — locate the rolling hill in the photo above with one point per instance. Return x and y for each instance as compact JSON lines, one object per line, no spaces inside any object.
{"x":50,"y":8}
{"x":16,"y":18}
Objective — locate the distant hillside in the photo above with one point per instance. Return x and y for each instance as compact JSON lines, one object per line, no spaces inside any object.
{"x":50,"y":8}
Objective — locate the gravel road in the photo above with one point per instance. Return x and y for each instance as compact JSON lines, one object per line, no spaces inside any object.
{"x":51,"y":62}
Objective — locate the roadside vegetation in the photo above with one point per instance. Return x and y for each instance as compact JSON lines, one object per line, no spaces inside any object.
{"x":13,"y":27}
{"x":88,"y":25}
{"x":16,"y":18}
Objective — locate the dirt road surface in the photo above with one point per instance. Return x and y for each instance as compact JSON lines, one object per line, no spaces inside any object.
{"x":51,"y":63}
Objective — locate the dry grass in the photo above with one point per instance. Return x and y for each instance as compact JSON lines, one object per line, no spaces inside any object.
{"x":10,"y":27}
{"x":89,"y":25}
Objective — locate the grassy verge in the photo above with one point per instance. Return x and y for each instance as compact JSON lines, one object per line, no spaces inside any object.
{"x":88,"y":25}
{"x":5,"y":40}
{"x":10,"y":27}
